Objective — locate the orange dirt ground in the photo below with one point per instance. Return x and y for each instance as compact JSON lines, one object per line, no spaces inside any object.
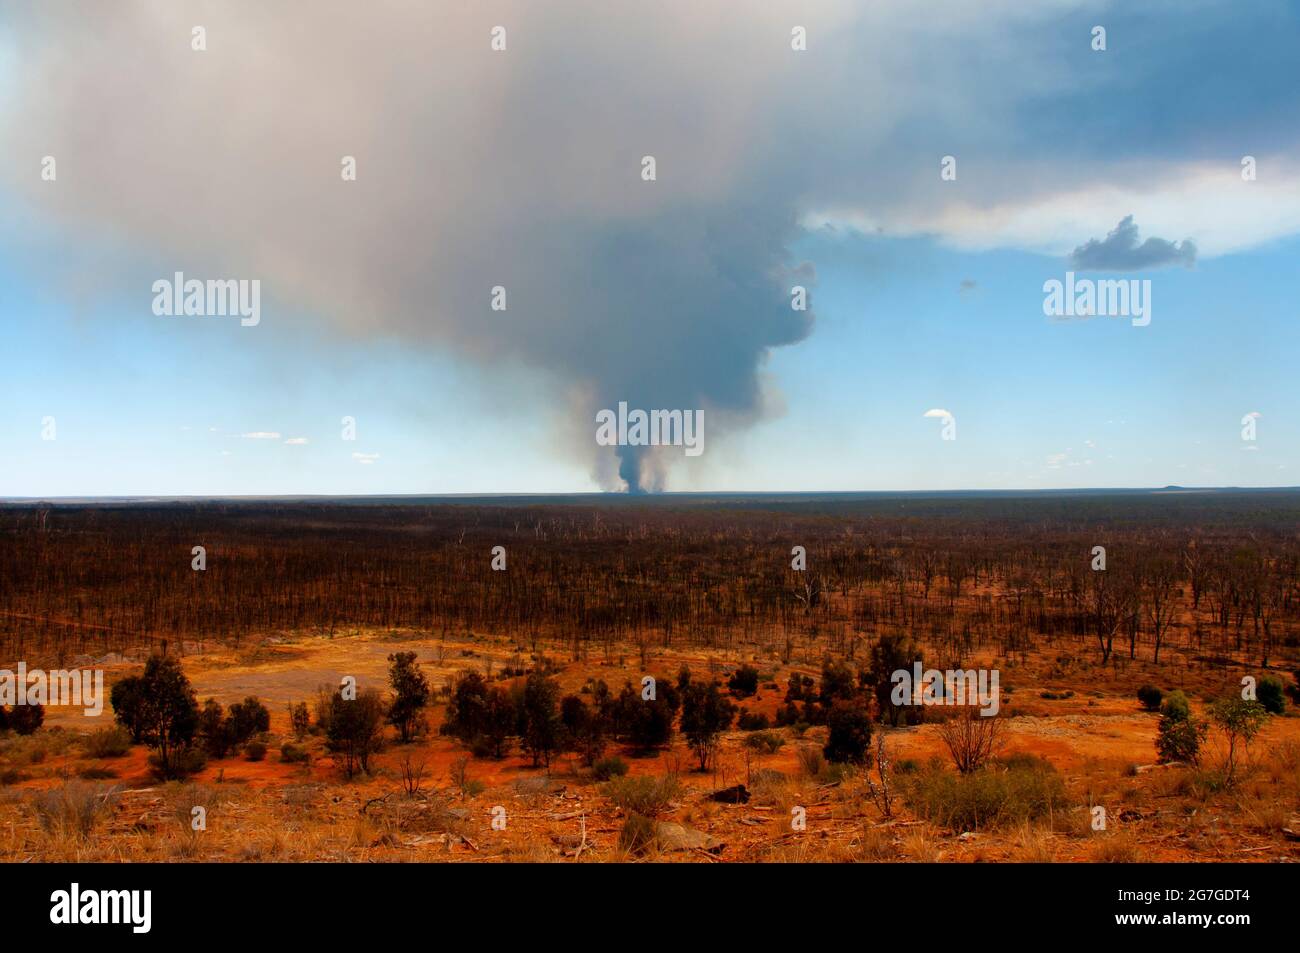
{"x":269,"y":810}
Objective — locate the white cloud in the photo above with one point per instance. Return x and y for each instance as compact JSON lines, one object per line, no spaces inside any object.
{"x":936,"y":412}
{"x":1209,"y":204}
{"x":297,"y":441}
{"x":365,"y":458}
{"x":261,"y":435}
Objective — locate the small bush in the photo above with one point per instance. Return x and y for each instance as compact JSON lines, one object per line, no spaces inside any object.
{"x":752,"y":721}
{"x":291,"y":753}
{"x":246,"y":719}
{"x":764,"y":742}
{"x":93,"y":772}
{"x":643,"y":795}
{"x":1270,"y":694}
{"x":1179,"y":739}
{"x":849,"y":732}
{"x":300,"y":719}
{"x":73,"y":808}
{"x":637,"y":835}
{"x":255,"y":751}
{"x":1176,"y":706}
{"x":989,"y":797}
{"x":1150,"y":697}
{"x":25,"y":719}
{"x":611,"y":767}
{"x":111,"y":742}
{"x":180,"y":764}
{"x":744,"y":682}
{"x":811,"y":761}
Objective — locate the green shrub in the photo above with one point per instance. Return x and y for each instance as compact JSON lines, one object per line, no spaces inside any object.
{"x":1271,"y":695}
{"x":637,"y":835}
{"x":1179,"y":739}
{"x":300,"y":719}
{"x":25,"y":719}
{"x":811,"y":761}
{"x":255,"y":751}
{"x":73,"y":808}
{"x":291,"y":753}
{"x":744,"y":682}
{"x":1150,"y":697}
{"x":764,"y":742}
{"x":993,"y":796}
{"x":643,"y":795}
{"x":611,"y":767}
{"x":178,"y":763}
{"x":246,"y":719}
{"x":849,"y":732}
{"x":1176,"y":706}
{"x":111,"y":742}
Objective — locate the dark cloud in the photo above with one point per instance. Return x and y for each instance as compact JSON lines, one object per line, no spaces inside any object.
{"x":1120,"y":251}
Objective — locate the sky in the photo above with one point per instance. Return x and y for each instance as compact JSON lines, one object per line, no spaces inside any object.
{"x":921,"y":169}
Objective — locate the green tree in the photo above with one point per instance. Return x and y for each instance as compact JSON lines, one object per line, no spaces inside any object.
{"x":849,"y":731}
{"x":1240,"y":720}
{"x":168,"y":713}
{"x":355,"y":729}
{"x":647,"y":722}
{"x":892,"y":653}
{"x":214,"y":731}
{"x":467,"y":709}
{"x":246,"y":719}
{"x":411,"y":689}
{"x":706,"y":714}
{"x":542,"y":729}
{"x":127,"y":699}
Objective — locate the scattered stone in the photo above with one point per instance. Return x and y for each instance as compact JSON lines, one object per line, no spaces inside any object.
{"x":1144,"y":768}
{"x":1292,"y":828}
{"x":678,"y":837}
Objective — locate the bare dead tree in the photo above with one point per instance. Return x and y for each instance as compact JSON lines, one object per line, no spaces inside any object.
{"x":970,"y":737}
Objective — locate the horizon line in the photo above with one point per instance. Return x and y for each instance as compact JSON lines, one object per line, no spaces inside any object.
{"x":619,"y":494}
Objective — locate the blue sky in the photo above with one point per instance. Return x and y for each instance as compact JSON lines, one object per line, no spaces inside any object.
{"x":774,"y":170}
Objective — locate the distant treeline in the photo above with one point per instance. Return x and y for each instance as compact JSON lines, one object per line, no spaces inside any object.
{"x":1209,"y":575}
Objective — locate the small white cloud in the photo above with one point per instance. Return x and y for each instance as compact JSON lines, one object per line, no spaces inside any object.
{"x":261,"y":435}
{"x":1251,"y":448}
{"x":297,"y":441}
{"x":365,"y":458}
{"x":936,"y":412}
{"x":1255,"y":413}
